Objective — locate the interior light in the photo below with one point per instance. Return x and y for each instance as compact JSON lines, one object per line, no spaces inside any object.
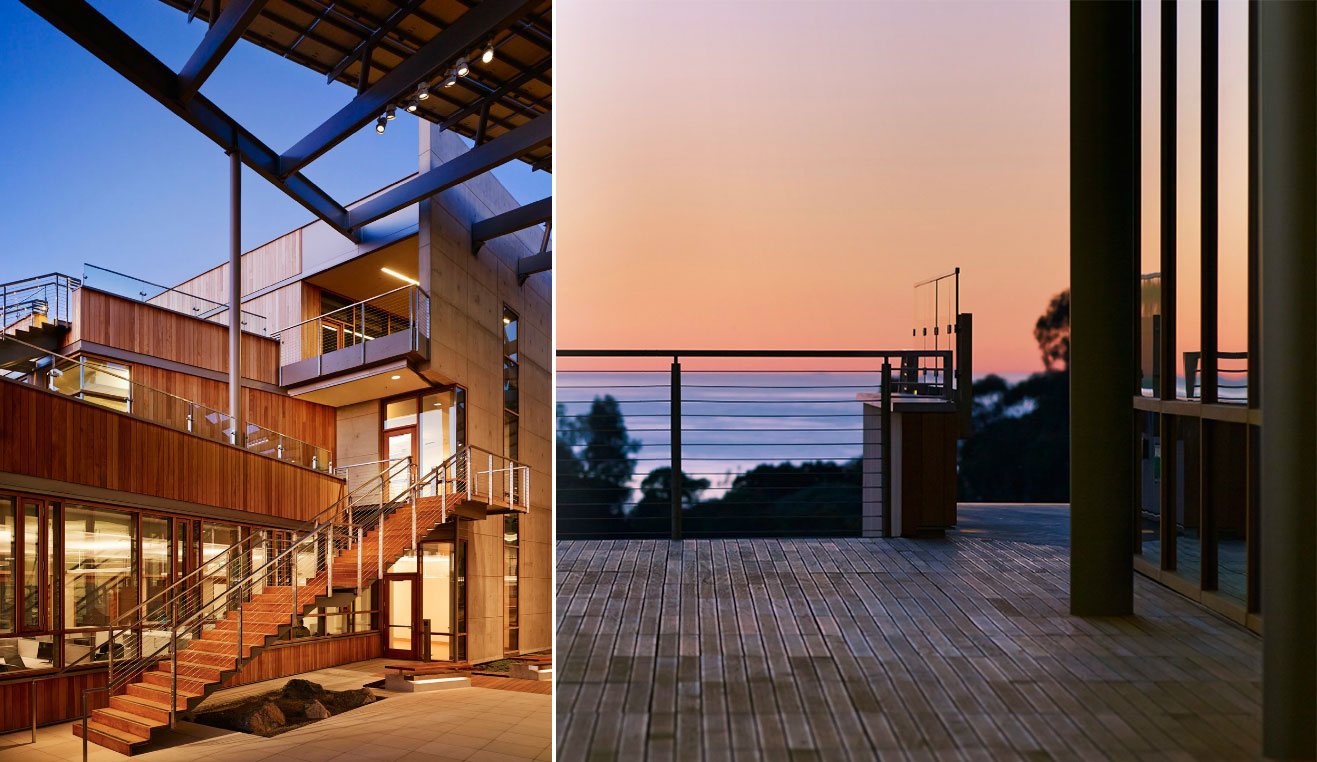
{"x":379,"y":124}
{"x":488,"y":55}
{"x":395,"y":378}
{"x":423,"y":90}
{"x":399,"y":275}
{"x":451,"y":80}
{"x":391,"y":114}
{"x":507,"y":320}
{"x":413,"y":104}
{"x":463,"y":68}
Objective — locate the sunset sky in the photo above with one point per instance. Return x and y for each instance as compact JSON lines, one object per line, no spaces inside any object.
{"x":780,"y":174}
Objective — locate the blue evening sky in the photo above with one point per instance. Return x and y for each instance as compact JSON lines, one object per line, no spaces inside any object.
{"x":94,"y":170}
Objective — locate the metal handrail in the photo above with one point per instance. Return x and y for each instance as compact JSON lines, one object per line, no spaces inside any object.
{"x":82,"y":362}
{"x":214,"y":307}
{"x":348,"y":307}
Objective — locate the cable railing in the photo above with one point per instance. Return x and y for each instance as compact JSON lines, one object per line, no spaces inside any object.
{"x":392,"y":323}
{"x":172,"y":299}
{"x":206,"y":625}
{"x":31,"y":301}
{"x":734,"y":443}
{"x":161,"y":407}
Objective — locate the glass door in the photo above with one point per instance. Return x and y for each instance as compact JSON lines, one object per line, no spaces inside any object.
{"x":400,"y":634}
{"x":399,"y":444}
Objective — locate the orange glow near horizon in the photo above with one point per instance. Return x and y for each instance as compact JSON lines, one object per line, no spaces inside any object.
{"x":778,"y":175}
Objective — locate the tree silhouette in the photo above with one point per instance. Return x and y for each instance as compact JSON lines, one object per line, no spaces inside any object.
{"x":1052,"y":331}
{"x":594,"y":468}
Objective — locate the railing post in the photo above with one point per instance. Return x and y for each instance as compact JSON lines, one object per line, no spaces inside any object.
{"x":173,"y":656}
{"x":358,"y":559}
{"x":329,"y":561}
{"x":240,"y":621}
{"x":885,"y":466}
{"x":84,"y":725}
{"x":675,"y":418}
{"x":379,"y":536}
{"x":32,"y":704}
{"x":490,"y":486}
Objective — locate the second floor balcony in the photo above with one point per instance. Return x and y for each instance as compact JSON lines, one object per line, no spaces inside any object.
{"x":390,"y":326}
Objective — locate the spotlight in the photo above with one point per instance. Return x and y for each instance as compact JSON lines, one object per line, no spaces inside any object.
{"x":390,"y":114}
{"x":463,"y":68}
{"x":423,"y":90}
{"x":412,"y":104}
{"x":379,"y":124}
{"x":451,"y":80}
{"x":488,"y":55}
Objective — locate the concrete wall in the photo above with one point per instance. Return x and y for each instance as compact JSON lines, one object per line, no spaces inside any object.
{"x":467,"y":297}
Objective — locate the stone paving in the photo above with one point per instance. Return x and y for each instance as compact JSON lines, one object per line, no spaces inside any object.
{"x":472,"y":724}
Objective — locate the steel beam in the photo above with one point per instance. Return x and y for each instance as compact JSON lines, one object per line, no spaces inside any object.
{"x":520,"y":218}
{"x":99,"y":36}
{"x":222,"y":36}
{"x":496,"y":95}
{"x":535,"y":263}
{"x":478,"y":160}
{"x":476,"y":25}
{"x":367,"y":44}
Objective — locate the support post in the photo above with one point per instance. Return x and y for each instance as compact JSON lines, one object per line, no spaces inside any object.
{"x":885,"y":446}
{"x":235,"y":298}
{"x":1104,"y":228}
{"x":1287,"y":78}
{"x":1167,"y":424}
{"x":675,"y":417}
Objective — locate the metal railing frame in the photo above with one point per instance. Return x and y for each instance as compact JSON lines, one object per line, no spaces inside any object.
{"x":417,"y":323}
{"x":192,"y":410}
{"x":943,"y":370}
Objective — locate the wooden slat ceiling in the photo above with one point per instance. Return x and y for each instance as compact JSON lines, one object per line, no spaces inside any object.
{"x":319,"y":34}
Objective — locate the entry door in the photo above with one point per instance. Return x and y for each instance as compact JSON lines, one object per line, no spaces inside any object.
{"x":398,"y":444}
{"x":400,"y":632}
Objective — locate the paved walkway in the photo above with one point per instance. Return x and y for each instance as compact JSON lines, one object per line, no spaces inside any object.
{"x":850,"y":649}
{"x":472,"y":724}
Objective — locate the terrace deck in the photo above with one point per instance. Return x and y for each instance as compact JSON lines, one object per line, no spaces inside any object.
{"x":960,"y":648}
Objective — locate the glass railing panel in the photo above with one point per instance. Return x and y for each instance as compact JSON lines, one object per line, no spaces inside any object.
{"x":171,"y":299}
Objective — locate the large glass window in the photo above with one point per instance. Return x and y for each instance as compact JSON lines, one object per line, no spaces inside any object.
{"x":100,"y":565}
{"x":155,"y":559}
{"x":95,"y":380}
{"x":8,"y":564}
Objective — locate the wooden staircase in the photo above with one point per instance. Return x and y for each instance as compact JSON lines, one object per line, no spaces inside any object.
{"x":210,"y":661}
{"x":43,"y":337}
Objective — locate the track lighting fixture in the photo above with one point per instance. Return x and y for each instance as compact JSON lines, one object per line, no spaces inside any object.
{"x":463,"y":68}
{"x":413,"y":104}
{"x":390,"y":113}
{"x":488,"y":55}
{"x":450,"y":80}
{"x":423,"y":90}
{"x":379,"y":124}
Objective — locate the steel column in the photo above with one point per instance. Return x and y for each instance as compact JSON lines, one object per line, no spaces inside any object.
{"x":1104,"y":228}
{"x":1287,"y":78}
{"x":235,"y":298}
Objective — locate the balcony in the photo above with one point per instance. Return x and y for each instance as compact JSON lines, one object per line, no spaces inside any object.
{"x":392,"y":326}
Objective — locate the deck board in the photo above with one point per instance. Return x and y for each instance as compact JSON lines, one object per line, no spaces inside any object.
{"x":849,"y":649}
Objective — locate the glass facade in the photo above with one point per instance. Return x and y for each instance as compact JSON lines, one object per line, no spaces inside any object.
{"x":102,"y":382}
{"x":511,"y":448}
{"x":70,"y":570}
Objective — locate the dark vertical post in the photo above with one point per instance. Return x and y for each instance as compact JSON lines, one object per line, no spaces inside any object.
{"x":1208,"y":293}
{"x":1208,"y":214}
{"x":1287,"y":77}
{"x":1252,"y":571}
{"x":675,"y":417}
{"x":1170,"y":468}
{"x":1104,"y":229}
{"x":235,"y":297}
{"x":885,"y":467}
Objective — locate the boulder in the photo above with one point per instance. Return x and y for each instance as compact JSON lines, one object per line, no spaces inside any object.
{"x":341,"y":701}
{"x":263,"y":719}
{"x":316,"y":711}
{"x":303,"y":689}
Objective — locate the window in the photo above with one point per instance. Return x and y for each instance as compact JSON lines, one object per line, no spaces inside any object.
{"x":95,"y":380}
{"x":511,"y":384}
{"x":100,"y":565}
{"x":436,"y":421}
{"x":511,"y":580}
{"x":8,"y":564}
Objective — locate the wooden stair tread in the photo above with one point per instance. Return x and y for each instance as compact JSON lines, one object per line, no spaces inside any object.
{"x":121,"y":737}
{"x":137,"y":718}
